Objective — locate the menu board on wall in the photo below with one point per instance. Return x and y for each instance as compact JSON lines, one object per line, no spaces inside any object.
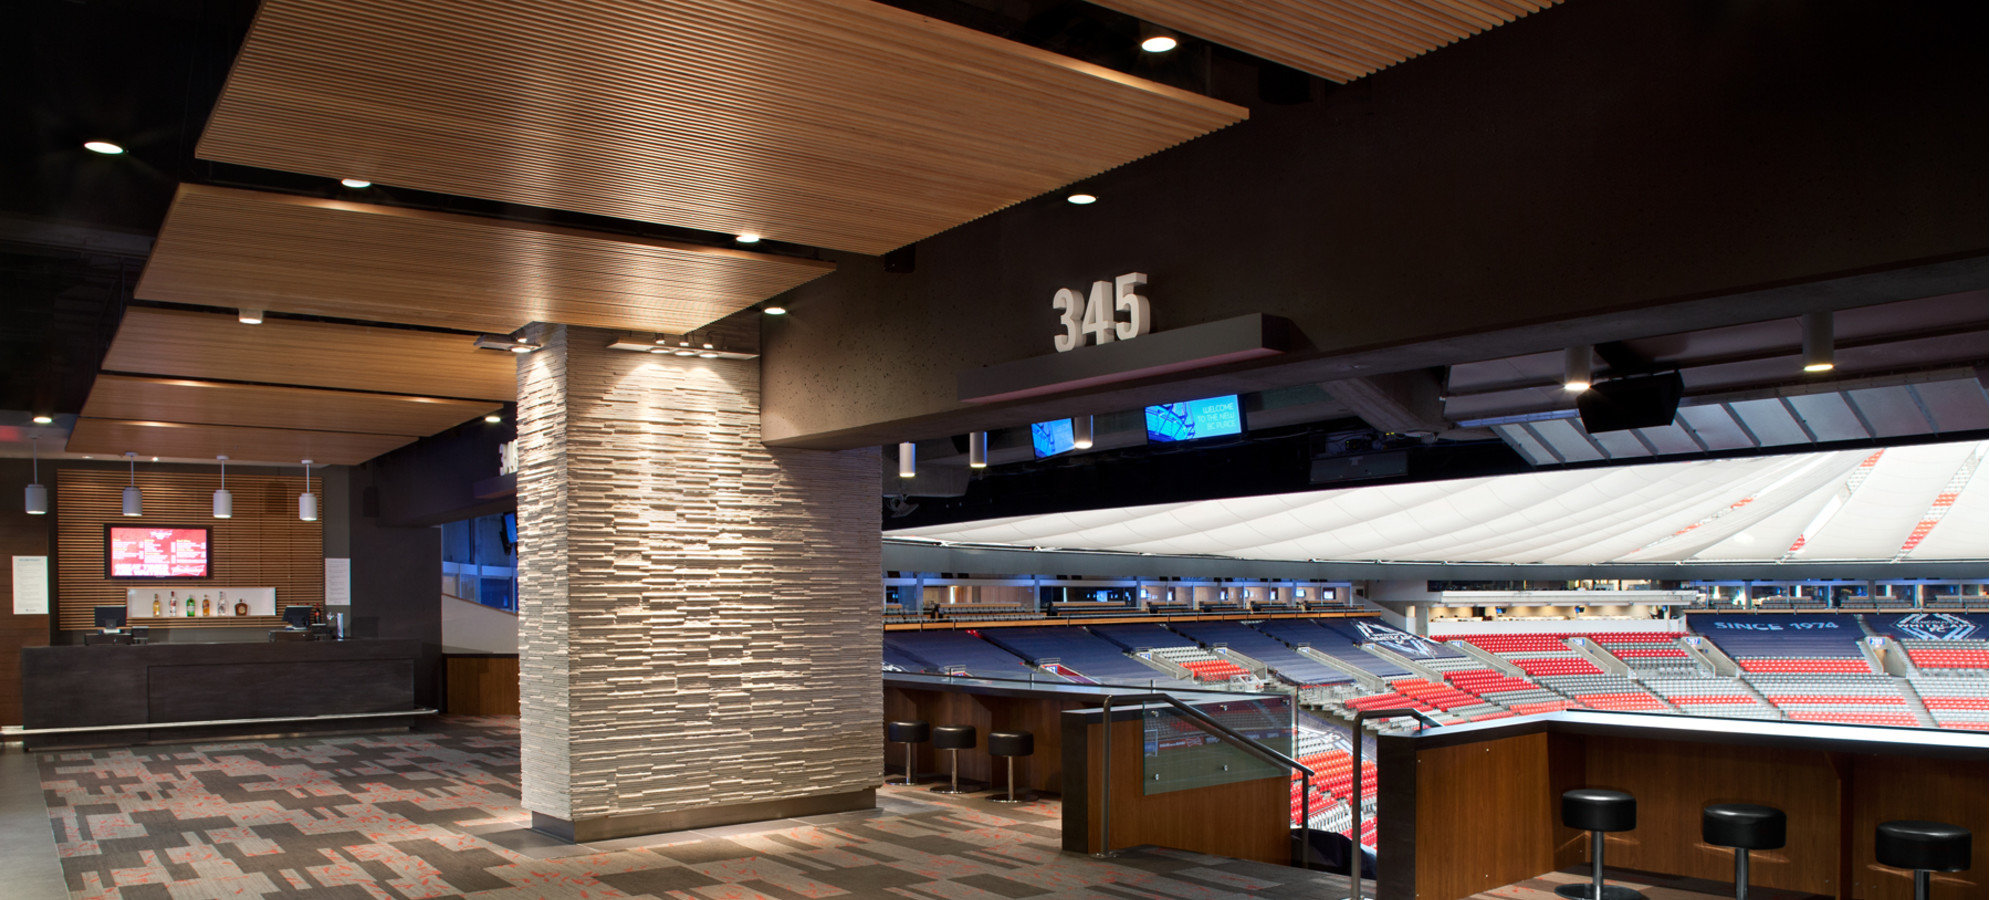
{"x":155,"y":552}
{"x":30,"y":585}
{"x":201,"y":602}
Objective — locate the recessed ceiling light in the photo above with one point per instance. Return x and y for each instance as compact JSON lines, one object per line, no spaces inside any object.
{"x":522,"y":348}
{"x":1160,"y":43}
{"x":776,"y":310}
{"x":493,"y":418}
{"x":687,"y":353}
{"x":250,"y":316}
{"x":708,"y":355}
{"x":1082,"y":199}
{"x":748,"y":237}
{"x":44,"y":420}
{"x":355,"y":183}
{"x":105,"y":147}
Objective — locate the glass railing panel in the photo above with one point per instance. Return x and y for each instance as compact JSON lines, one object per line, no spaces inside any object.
{"x":1180,"y":753}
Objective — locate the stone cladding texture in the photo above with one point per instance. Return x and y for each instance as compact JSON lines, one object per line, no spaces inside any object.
{"x":698,"y":613}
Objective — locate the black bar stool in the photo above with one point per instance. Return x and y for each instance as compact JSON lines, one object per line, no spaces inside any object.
{"x":1011,"y":744}
{"x":953,"y":738}
{"x":1924,"y":847}
{"x":1598,"y":811}
{"x":1745,"y":827}
{"x":907,"y":733}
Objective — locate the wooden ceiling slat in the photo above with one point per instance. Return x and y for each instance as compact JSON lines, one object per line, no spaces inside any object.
{"x":262,"y":445}
{"x":188,"y":344}
{"x":270,"y":406}
{"x":1339,"y":40}
{"x":835,"y":123}
{"x":227,"y":247}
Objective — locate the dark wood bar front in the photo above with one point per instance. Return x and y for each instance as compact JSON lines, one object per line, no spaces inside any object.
{"x":1476,"y":807}
{"x":72,"y":687}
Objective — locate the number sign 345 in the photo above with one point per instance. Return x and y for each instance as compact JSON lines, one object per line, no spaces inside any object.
{"x":1097,"y":317}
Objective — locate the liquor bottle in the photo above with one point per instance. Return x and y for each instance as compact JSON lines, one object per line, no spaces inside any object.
{"x":189,"y":606}
{"x":155,"y":605}
{"x":221,"y":605}
{"x":206,"y":605}
{"x":173,"y":603}
{"x":241,"y":607}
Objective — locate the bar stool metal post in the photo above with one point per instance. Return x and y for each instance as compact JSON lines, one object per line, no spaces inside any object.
{"x":1924,"y":847}
{"x":1744,"y":827}
{"x":954,"y":739}
{"x":907,"y":733}
{"x":1598,"y":811}
{"x":1011,"y":744}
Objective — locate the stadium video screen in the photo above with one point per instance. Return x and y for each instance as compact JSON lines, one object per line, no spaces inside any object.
{"x":155,"y":552}
{"x":1195,"y":419}
{"x":1051,"y":438}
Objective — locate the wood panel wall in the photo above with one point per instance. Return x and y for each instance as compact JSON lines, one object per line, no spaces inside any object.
{"x":1243,"y":820}
{"x":1043,"y":771}
{"x":20,"y":535}
{"x":480,"y":685}
{"x":263,"y":545}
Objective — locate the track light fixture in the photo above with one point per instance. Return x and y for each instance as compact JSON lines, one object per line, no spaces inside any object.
{"x":307,"y":502}
{"x":224,"y":502}
{"x":134,"y":500}
{"x":908,"y":459}
{"x":37,"y":496}
{"x":1576,"y":371}
{"x":1819,"y":345}
{"x":977,"y":449}
{"x":1081,"y":432}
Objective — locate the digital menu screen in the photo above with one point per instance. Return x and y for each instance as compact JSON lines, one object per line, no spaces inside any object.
{"x":155,"y":551}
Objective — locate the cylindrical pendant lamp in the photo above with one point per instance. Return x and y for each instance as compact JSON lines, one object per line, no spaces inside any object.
{"x":1817,"y":342}
{"x":37,"y":496}
{"x":307,"y":502}
{"x":1081,"y":432}
{"x":134,"y":501}
{"x":224,"y":502}
{"x":977,"y":449}
{"x":908,"y":459}
{"x":1576,"y":369}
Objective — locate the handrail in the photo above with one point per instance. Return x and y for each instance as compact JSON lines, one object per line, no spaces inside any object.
{"x":1354,"y":803}
{"x":1221,"y":730}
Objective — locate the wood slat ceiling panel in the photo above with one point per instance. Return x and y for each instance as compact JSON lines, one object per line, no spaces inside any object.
{"x":269,"y":406}
{"x":265,"y":445}
{"x":833,"y":123}
{"x":1339,"y":40}
{"x":227,"y":247}
{"x":187,"y":344}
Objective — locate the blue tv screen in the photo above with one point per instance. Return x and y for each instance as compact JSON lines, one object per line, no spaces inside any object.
{"x":1195,"y":419}
{"x":1050,"y":438}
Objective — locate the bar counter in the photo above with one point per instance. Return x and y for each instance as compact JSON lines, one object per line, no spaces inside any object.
{"x":78,"y":686}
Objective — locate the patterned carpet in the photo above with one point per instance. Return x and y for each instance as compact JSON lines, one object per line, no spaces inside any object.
{"x":435,"y":815}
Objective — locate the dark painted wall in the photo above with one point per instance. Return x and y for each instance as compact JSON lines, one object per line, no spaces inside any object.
{"x":1528,"y":188}
{"x":20,"y":535}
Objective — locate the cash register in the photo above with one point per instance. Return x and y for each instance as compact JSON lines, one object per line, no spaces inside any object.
{"x":111,"y":628}
{"x":301,"y":623}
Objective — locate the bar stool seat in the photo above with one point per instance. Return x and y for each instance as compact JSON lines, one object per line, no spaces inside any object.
{"x":1011,"y":744}
{"x":1745,"y":827}
{"x":1597,"y":811}
{"x":907,"y":733}
{"x":1924,"y":847}
{"x":953,"y":739}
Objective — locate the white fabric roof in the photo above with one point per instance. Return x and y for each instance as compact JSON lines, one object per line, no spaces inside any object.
{"x":1839,"y":505}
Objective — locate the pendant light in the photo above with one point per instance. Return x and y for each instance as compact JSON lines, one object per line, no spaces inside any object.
{"x":1817,"y":342}
{"x":1081,"y":432}
{"x":908,"y":460}
{"x":307,"y":502}
{"x":977,"y":449}
{"x":224,"y":502}
{"x":1576,"y":369}
{"x":37,"y":495}
{"x":134,"y":501}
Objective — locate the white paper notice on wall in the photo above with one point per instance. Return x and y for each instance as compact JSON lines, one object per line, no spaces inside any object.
{"x":338,"y":581}
{"x":30,"y":585}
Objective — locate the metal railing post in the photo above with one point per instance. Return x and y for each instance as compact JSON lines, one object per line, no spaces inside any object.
{"x":1354,"y":803}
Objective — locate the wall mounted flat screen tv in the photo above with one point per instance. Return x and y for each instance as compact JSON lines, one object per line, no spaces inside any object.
{"x":1051,"y":438}
{"x":1195,"y":419}
{"x":156,"y":551}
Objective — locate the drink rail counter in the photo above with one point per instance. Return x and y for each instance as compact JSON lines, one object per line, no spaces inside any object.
{"x":79,"y":687}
